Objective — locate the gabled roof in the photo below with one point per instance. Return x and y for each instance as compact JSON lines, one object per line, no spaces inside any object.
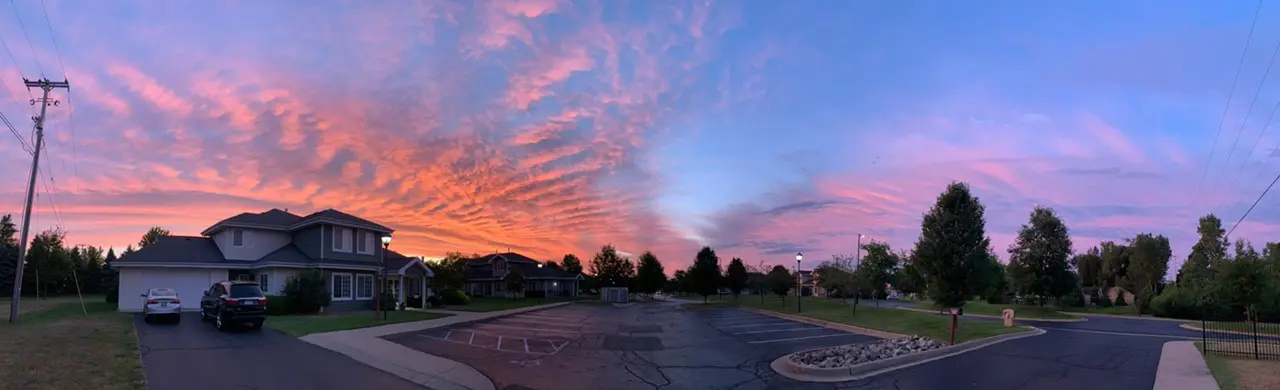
{"x":276,"y":219}
{"x":340,"y":218}
{"x":398,"y":263}
{"x":482,"y":268}
{"x":510,"y":257}
{"x":176,"y":249}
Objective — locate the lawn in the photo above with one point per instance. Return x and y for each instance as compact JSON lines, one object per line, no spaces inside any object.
{"x":302,"y":325}
{"x":884,"y":319}
{"x":1242,"y":327}
{"x":487,"y":304}
{"x":1020,"y":311}
{"x":1242,"y":374}
{"x":1127,"y":310}
{"x":55,"y":346}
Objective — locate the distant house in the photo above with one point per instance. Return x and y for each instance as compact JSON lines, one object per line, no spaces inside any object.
{"x":270,"y":247}
{"x":808,"y":281}
{"x":486,"y":276}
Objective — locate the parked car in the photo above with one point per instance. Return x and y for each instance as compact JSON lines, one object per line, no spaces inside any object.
{"x":161,"y":302}
{"x":229,"y":303}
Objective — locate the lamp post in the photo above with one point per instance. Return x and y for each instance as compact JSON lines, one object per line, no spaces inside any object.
{"x":799,"y":256}
{"x":386,"y":244}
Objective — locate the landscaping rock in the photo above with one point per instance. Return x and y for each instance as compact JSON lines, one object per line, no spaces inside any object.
{"x":848,"y":355}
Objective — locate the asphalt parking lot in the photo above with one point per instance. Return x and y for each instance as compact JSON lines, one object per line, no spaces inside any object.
{"x":636,"y":346}
{"x":193,"y":355}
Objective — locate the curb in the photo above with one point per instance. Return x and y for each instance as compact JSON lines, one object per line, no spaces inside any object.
{"x":828,"y":324}
{"x":785,"y":367}
{"x":1123,"y":317}
{"x":1015,"y":318}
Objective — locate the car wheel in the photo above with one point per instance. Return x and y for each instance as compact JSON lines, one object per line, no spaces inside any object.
{"x":203,"y":316}
{"x":177,"y":318}
{"x":220,"y":323}
{"x":257,"y":325}
{"x":146,"y":318}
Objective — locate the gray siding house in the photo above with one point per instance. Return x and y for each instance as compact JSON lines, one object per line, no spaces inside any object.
{"x":270,"y":247}
{"x":485,"y":277}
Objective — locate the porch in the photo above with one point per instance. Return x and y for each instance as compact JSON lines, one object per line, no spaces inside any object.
{"x":409,"y":282}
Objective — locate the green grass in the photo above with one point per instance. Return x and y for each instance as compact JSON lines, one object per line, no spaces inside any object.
{"x":55,"y":345}
{"x":1020,"y":311}
{"x":1221,"y":369}
{"x":885,"y":319}
{"x":1238,"y":326}
{"x":1127,"y":310}
{"x":487,"y":304}
{"x":302,"y":325}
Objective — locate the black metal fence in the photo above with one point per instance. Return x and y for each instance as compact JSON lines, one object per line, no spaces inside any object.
{"x":1249,"y":339}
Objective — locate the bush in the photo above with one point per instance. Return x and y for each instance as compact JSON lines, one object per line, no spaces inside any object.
{"x":1176,"y":302}
{"x":434,"y":301}
{"x":414,"y":301}
{"x":112,"y":295}
{"x":277,"y":305}
{"x":306,"y":292}
{"x":388,"y":301}
{"x":535,"y":294}
{"x":1100,"y":300}
{"x":1120,"y":298}
{"x":454,"y":297}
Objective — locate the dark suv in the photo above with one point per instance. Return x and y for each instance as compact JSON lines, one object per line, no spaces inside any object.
{"x":234,"y":302}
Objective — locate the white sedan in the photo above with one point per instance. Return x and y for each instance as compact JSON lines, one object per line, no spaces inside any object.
{"x":161,"y":302}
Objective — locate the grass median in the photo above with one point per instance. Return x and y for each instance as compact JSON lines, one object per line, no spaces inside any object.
{"x":883,"y":319}
{"x":302,"y":325}
{"x":487,"y":304}
{"x":55,"y":345}
{"x":1026,"y":312}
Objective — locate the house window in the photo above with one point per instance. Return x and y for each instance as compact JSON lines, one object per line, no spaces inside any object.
{"x":264,"y":282}
{"x":237,"y":237}
{"x":364,"y":242}
{"x":364,"y":287}
{"x":341,"y":287}
{"x":341,"y":239}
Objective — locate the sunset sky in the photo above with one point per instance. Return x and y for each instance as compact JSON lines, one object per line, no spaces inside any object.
{"x":761,"y":128}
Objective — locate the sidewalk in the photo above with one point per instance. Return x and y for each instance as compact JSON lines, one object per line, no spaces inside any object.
{"x":366,"y":346}
{"x":1183,"y":368}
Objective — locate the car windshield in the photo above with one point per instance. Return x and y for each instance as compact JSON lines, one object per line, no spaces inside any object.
{"x":163,"y":292}
{"x":245,"y":291}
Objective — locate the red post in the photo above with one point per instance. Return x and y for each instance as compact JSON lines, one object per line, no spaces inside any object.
{"x":953,"y":328}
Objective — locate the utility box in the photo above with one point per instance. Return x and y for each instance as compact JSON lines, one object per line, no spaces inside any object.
{"x":614,"y":294}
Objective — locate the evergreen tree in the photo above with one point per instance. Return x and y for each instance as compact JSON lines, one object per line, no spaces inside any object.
{"x":953,"y":240}
{"x":110,"y":277}
{"x":705,"y":272}
{"x":8,"y":255}
{"x":650,"y":275}
{"x":1039,"y":258}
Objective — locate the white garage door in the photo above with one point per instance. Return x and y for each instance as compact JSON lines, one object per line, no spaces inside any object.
{"x":189,"y":283}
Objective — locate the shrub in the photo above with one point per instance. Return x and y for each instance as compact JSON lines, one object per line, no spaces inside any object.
{"x":1176,"y":302}
{"x":454,"y":297}
{"x":1120,"y":298}
{"x":112,"y":295}
{"x":306,"y":292}
{"x":414,"y":301}
{"x":1100,"y":300}
{"x":535,"y":294}
{"x":388,"y":301}
{"x":277,"y":305}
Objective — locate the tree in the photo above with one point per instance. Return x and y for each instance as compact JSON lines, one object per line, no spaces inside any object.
{"x":1039,"y":257}
{"x":8,"y":255}
{"x":8,"y":231}
{"x":705,"y":272}
{"x":736,"y":277}
{"x":49,"y":262}
{"x":1089,"y":266}
{"x":152,"y":236}
{"x":877,"y":268}
{"x":780,"y":282}
{"x":678,"y":282}
{"x":1242,"y":283}
{"x":989,"y":279}
{"x":451,"y":271}
{"x":910,"y":280}
{"x":1197,"y":272}
{"x":1115,"y":265}
{"x":514,"y":281}
{"x":650,"y":275}
{"x":552,"y":264}
{"x":953,"y":240}
{"x":1148,"y":263}
{"x":571,"y":264}
{"x":110,"y":279}
{"x":610,"y":269}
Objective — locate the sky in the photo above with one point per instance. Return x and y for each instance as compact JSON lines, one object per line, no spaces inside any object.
{"x":544,"y":127}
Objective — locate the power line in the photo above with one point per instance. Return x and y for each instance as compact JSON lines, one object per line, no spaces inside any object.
{"x":23,"y":26}
{"x":1243,"y":164}
{"x":1252,"y":102}
{"x":1255,"y":204}
{"x":1230,"y":95}
{"x":17,"y":135}
{"x":54,"y":38}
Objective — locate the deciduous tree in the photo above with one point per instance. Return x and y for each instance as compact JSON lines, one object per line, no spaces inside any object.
{"x":571,"y":264}
{"x":736,"y":277}
{"x":611,"y":269}
{"x":1089,"y":266}
{"x":877,"y":269}
{"x":1197,"y":272}
{"x":1038,"y":258}
{"x":650,"y":275}
{"x":151,"y":236}
{"x":1148,"y":263}
{"x":780,"y":281}
{"x":953,"y":240}
{"x":514,"y":281}
{"x":705,"y":272}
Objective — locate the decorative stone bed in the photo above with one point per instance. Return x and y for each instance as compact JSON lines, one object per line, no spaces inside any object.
{"x":850,"y":355}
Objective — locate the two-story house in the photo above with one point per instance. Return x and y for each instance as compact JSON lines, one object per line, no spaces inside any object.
{"x":270,"y":247}
{"x":486,"y":276}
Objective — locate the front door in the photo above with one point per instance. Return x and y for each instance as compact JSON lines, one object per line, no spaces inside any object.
{"x":393,"y":287}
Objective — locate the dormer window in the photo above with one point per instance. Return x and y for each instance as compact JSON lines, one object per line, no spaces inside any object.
{"x":237,"y":237}
{"x":342,"y":239}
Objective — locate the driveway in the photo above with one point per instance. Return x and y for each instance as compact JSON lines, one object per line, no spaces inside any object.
{"x":193,"y":355}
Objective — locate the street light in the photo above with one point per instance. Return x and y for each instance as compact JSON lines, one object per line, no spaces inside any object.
{"x":386,"y":244}
{"x":799,"y":257}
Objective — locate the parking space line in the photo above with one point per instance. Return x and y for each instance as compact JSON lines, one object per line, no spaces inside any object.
{"x":750,"y":321}
{"x":472,"y":339}
{"x":781,"y":330}
{"x":799,"y":338}
{"x":543,"y":320}
{"x":524,"y":328}
{"x":776,"y":323}
{"x":526,"y":345}
{"x":734,"y":316}
{"x":562,"y":319}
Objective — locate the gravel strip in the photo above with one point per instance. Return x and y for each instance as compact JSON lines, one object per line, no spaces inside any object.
{"x":848,"y":355}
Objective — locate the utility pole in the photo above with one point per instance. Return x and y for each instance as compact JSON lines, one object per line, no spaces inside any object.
{"x":46,"y":86}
